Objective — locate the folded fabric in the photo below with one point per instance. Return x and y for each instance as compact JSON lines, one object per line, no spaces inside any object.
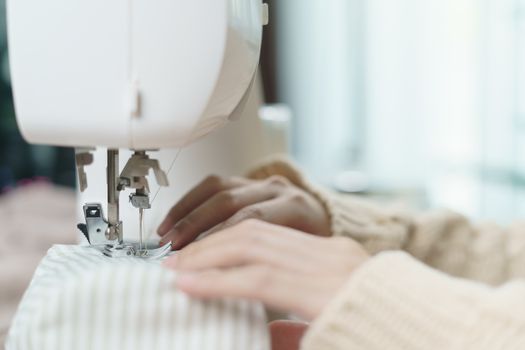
{"x":80,"y":299}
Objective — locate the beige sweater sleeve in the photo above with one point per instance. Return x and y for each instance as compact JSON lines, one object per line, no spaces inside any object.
{"x":395,"y":302}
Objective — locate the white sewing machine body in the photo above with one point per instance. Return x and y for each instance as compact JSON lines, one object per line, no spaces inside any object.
{"x":128,"y":73}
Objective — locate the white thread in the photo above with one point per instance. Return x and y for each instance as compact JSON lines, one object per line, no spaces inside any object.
{"x":168,"y":174}
{"x":160,"y":187}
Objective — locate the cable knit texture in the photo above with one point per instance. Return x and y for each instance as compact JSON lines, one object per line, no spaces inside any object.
{"x":475,"y":301}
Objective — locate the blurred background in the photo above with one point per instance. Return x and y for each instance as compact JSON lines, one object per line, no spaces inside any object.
{"x":21,"y":163}
{"x":417,"y":99}
{"x":423,"y":99}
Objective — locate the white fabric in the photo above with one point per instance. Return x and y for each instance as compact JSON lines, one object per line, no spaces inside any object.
{"x":79,"y":299}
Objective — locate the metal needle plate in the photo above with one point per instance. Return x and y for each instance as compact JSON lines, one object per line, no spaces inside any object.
{"x":133,"y":250}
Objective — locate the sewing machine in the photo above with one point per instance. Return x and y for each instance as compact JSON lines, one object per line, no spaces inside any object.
{"x":129,"y":75}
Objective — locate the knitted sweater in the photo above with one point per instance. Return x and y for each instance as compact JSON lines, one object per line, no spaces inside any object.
{"x":436,"y":281}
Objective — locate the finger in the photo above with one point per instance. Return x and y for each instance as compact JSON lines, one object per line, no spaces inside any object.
{"x":217,"y":209}
{"x":275,"y":211}
{"x":236,"y":254}
{"x":200,"y":193}
{"x":258,"y":243}
{"x":275,"y":288}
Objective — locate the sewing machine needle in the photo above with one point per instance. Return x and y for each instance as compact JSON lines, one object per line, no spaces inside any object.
{"x":141,"y":230}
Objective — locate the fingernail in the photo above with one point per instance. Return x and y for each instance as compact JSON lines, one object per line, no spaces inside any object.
{"x":165,"y":241}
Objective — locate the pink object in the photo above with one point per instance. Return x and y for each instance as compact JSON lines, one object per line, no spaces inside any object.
{"x":287,"y":335}
{"x":34,"y":180}
{"x":34,"y":217}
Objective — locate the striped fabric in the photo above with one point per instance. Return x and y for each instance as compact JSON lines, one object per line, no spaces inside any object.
{"x":79,"y":299}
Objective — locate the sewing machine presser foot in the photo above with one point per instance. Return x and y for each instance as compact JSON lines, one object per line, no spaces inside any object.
{"x":98,"y":234}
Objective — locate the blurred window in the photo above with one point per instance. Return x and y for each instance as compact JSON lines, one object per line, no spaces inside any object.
{"x":422,"y":96}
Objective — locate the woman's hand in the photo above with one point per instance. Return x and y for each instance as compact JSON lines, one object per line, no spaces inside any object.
{"x":286,"y":269}
{"x":218,"y":203}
